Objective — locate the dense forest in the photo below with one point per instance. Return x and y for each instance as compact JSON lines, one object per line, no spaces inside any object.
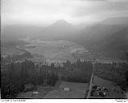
{"x":15,"y":75}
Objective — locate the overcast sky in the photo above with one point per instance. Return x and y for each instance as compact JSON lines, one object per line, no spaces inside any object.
{"x":44,"y":12}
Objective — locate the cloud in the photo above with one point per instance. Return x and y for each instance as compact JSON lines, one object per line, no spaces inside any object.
{"x":101,"y":7}
{"x":117,"y":0}
{"x":48,"y":11}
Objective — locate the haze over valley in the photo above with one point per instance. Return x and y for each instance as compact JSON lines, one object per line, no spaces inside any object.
{"x":64,"y":49}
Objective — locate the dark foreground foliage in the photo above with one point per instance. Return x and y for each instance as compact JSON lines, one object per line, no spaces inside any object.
{"x":16,"y":75}
{"x":116,"y":72}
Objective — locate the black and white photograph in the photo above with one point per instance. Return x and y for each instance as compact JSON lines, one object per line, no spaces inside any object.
{"x":64,"y":49}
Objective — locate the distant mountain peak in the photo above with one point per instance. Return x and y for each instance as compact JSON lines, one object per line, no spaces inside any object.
{"x":62,"y":22}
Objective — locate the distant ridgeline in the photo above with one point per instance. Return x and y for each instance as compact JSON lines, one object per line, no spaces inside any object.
{"x":16,"y":75}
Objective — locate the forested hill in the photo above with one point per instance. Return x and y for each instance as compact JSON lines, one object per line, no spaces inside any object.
{"x":110,"y":39}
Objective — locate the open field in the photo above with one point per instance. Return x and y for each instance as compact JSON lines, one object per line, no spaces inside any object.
{"x":76,"y":90}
